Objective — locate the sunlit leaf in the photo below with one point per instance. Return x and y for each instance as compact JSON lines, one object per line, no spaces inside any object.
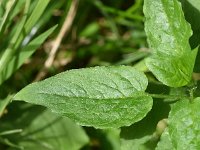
{"x":165,"y":142}
{"x":184,"y":120}
{"x":103,"y":97}
{"x":168,"y":35}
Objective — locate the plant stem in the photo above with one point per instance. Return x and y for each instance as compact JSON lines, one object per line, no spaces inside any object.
{"x":11,"y":132}
{"x":4,"y":103}
{"x":161,"y":96}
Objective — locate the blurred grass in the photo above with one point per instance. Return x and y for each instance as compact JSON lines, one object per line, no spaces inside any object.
{"x":103,"y":33}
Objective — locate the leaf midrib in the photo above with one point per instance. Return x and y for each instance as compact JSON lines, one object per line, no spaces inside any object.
{"x":135,"y":95}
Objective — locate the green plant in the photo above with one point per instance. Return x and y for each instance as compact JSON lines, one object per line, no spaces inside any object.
{"x":115,"y":97}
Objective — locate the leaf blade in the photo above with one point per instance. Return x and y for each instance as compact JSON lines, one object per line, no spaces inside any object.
{"x":89,"y":95}
{"x":41,"y":129}
{"x":184,"y":124}
{"x":174,"y":71}
{"x":165,"y":142}
{"x":168,"y":35}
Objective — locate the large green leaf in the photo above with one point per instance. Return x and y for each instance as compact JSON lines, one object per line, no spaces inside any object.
{"x":168,"y":35}
{"x":184,"y":120}
{"x":103,"y":97}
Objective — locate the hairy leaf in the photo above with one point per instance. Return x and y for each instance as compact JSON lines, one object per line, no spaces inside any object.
{"x":184,"y":123}
{"x":168,"y":35}
{"x":103,"y":97}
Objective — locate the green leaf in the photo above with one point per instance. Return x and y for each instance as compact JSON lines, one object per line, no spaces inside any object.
{"x":22,"y":55}
{"x":41,"y":129}
{"x":191,"y":10}
{"x":136,"y":144}
{"x":107,"y":139}
{"x":113,"y":136}
{"x":140,"y":137}
{"x":184,"y":120}
{"x":102,"y":97}
{"x":165,"y":142}
{"x":173,"y":71}
{"x":168,"y":35}
{"x":55,"y":132}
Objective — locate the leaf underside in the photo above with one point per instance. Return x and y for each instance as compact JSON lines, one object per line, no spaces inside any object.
{"x":102,"y":97}
{"x":168,"y":36}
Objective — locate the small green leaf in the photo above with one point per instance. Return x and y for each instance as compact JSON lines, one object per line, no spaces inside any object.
{"x":173,"y":71}
{"x":136,"y":144}
{"x":168,"y":35}
{"x":103,"y":97}
{"x":165,"y":142}
{"x":191,"y":10}
{"x":184,"y":121}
